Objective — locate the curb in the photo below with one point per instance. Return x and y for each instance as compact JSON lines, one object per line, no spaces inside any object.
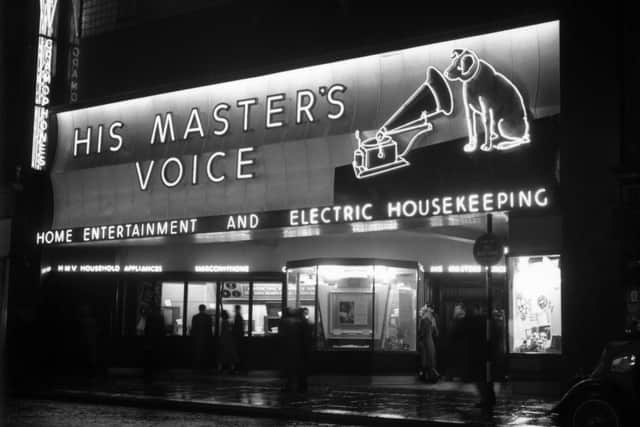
{"x":245,"y":410}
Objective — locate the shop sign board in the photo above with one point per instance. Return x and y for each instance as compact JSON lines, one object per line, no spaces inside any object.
{"x":488,"y":249}
{"x":538,"y":198}
{"x":440,"y":129}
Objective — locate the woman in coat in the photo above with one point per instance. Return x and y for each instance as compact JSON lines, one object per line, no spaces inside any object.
{"x":427,"y":330}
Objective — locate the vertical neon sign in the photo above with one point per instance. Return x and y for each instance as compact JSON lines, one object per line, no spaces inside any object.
{"x":43,"y":81}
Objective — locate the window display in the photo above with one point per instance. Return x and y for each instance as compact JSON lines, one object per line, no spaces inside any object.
{"x":267,"y":308}
{"x":200,"y":293}
{"x":535,"y":324}
{"x":396,"y":294}
{"x":172,"y":300}
{"x":345,"y":301}
{"x":370,"y":306}
{"x":236,"y":293}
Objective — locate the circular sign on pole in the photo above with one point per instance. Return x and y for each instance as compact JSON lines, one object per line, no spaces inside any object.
{"x":488,"y":249}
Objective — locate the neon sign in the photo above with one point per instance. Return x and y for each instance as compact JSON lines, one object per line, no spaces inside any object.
{"x":107,"y":268}
{"x":493,"y":99}
{"x":466,"y":268}
{"x":488,"y":96}
{"x":379,"y":154}
{"x":43,"y":81}
{"x":103,"y":139}
{"x":221,"y":268}
{"x":305,"y":222}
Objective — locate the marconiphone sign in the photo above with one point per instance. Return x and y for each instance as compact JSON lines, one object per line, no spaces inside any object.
{"x":463,"y":126}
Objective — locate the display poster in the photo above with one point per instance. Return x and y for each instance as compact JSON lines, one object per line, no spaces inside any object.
{"x":535,"y":324}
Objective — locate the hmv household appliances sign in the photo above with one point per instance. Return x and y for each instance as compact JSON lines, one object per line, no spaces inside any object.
{"x":463,"y":118}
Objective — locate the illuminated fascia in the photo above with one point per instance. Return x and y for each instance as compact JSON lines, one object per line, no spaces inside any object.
{"x":88,"y":268}
{"x":135,"y":268}
{"x":221,"y":268}
{"x":365,"y":227}
{"x":466,"y":268}
{"x":107,"y":268}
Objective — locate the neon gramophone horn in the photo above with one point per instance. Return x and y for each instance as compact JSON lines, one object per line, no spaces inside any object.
{"x":432,"y":98}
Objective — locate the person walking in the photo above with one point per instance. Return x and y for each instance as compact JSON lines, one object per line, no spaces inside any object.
{"x":290,"y":335}
{"x":228,"y":353}
{"x":473,"y":328}
{"x":238,"y":337}
{"x":201,"y":334}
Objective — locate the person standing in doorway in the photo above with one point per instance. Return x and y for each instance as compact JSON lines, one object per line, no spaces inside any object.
{"x":201,"y":334}
{"x":238,"y":337}
{"x":228,"y":353}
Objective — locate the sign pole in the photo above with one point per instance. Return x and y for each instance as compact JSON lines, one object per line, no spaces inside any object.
{"x":489,"y":359}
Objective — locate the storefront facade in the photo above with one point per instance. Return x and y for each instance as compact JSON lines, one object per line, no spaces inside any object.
{"x":354,"y":189}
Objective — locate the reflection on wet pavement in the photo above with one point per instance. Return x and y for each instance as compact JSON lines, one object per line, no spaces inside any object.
{"x":449,"y":402}
{"x":41,"y":413}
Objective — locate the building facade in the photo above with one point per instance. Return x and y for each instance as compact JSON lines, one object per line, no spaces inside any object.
{"x":336,"y":160}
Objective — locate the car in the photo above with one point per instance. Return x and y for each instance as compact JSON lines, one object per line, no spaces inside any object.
{"x":610,"y":395}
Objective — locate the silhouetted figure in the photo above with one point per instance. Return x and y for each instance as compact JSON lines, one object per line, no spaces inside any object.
{"x":228,"y":353}
{"x":153,"y":332}
{"x":473,"y":328}
{"x":238,"y":337}
{"x":305,"y":331}
{"x":201,"y":334}
{"x":427,"y":331}
{"x":290,"y":334}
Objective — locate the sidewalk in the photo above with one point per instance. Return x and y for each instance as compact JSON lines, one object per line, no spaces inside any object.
{"x":343,"y":400}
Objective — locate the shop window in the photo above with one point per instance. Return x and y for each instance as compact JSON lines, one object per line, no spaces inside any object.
{"x":396,"y":296}
{"x":140,"y":298}
{"x":236,"y":293}
{"x":200,"y":293}
{"x":345,"y":307}
{"x":172,"y":300}
{"x":301,"y":287}
{"x":267,"y":308}
{"x":301,"y":292}
{"x":535,"y":321}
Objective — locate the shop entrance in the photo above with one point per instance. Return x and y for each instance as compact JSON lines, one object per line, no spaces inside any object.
{"x":454,"y":292}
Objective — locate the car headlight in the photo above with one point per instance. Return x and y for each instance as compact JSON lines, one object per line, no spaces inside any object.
{"x":623,"y":364}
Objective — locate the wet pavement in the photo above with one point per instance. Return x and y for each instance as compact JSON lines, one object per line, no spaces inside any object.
{"x":44,"y":413}
{"x":353,"y":402}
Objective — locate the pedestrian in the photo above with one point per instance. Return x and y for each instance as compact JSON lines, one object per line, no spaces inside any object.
{"x":238,"y":337}
{"x":290,"y":341}
{"x":201,"y":334}
{"x":427,"y":331}
{"x":305,"y":331}
{"x":474,"y":329}
{"x":228,"y":353}
{"x":154,"y":330}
